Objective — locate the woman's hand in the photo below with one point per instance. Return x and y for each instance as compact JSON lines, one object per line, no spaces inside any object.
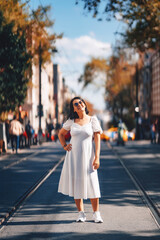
{"x":68,"y":147}
{"x":96,"y":163}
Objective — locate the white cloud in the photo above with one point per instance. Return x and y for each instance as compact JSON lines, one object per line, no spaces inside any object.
{"x":73,"y":54}
{"x":81,"y":59}
{"x":92,"y":47}
{"x":83,"y":47}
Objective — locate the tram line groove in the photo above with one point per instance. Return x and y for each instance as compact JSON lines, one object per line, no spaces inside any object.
{"x":140,"y":189}
{"x":20,"y":202}
{"x":20,"y":160}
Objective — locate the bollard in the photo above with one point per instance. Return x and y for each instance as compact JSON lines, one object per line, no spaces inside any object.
{"x":3,"y":147}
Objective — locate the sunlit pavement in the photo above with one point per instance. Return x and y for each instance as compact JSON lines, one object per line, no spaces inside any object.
{"x":50,"y":215}
{"x":143,"y":159}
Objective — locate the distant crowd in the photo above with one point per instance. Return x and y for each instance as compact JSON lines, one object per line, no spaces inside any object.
{"x":18,"y":135}
{"x":155,"y":131}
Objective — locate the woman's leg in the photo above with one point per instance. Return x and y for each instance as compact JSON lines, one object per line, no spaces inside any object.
{"x":79,"y":204}
{"x":81,"y":214}
{"x":96,"y":214}
{"x":12,"y":142}
{"x":95,"y":204}
{"x":17,"y":143}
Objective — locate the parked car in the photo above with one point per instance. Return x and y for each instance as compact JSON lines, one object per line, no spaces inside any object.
{"x":104,"y":136}
{"x":112,"y":134}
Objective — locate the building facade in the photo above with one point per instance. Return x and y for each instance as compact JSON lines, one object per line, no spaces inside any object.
{"x":59,"y":93}
{"x":31,"y":104}
{"x":155,"y":89}
{"x":145,"y":81}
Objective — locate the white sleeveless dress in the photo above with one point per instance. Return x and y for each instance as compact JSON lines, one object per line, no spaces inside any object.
{"x":78,"y":178}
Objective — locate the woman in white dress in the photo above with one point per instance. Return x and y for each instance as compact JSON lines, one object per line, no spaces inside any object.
{"x":79,"y":177}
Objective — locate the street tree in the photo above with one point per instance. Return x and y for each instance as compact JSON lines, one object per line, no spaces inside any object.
{"x":120,"y":90}
{"x":92,"y":70}
{"x":14,"y":62}
{"x":24,"y":40}
{"x":15,"y":12}
{"x":41,"y":43}
{"x":141,"y":16}
{"x":119,"y":87}
{"x":35,"y":23}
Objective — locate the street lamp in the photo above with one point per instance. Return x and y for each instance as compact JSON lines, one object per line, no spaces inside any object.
{"x":136,"y":109}
{"x":55,"y":81}
{"x":40,"y":107}
{"x":137,"y":104}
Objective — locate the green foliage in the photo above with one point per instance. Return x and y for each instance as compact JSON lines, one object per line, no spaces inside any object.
{"x":14,"y":61}
{"x":122,"y":105}
{"x":41,"y":39}
{"x":120,"y":90}
{"x":119,"y":85}
{"x":141,"y":16}
{"x":92,"y":69}
{"x":21,"y":35}
{"x":35,"y":24}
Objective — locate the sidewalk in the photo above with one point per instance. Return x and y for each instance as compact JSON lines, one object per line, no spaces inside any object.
{"x":9,"y":152}
{"x":10,"y":158}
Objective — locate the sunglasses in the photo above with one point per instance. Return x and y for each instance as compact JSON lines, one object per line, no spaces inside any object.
{"x":77,"y":103}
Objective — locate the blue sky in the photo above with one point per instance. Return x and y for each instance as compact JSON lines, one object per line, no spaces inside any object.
{"x":84,"y":37}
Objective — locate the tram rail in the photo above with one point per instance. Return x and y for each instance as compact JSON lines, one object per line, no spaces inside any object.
{"x":20,"y":202}
{"x":140,"y":189}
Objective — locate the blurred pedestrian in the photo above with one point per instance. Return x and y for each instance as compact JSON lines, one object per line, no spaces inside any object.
{"x":22,"y":138}
{"x":156,"y":127}
{"x":140,"y":128}
{"x":57,"y":128}
{"x":121,"y":130}
{"x":158,"y":130}
{"x":29,"y":131}
{"x":153,"y":132}
{"x":79,"y":177}
{"x":50,"y":127}
{"x":15,"y":131}
{"x":7,"y":130}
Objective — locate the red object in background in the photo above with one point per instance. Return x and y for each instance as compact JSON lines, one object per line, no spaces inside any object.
{"x":52,"y":138}
{"x":43,"y":134}
{"x":25,"y":134}
{"x":68,"y":136}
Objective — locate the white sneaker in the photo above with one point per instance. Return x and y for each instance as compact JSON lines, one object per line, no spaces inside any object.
{"x":97,"y":217}
{"x":81,"y":217}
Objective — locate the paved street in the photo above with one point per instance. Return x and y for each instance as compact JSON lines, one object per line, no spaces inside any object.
{"x":18,"y":173}
{"x":143,"y":160}
{"x":49,"y":215}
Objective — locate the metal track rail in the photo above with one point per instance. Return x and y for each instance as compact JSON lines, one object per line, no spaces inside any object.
{"x":28,"y":193}
{"x":20,"y":160}
{"x":141,"y":191}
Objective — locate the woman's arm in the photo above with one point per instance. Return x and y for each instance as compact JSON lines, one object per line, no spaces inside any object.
{"x":97,"y":140}
{"x":61,"y":136}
